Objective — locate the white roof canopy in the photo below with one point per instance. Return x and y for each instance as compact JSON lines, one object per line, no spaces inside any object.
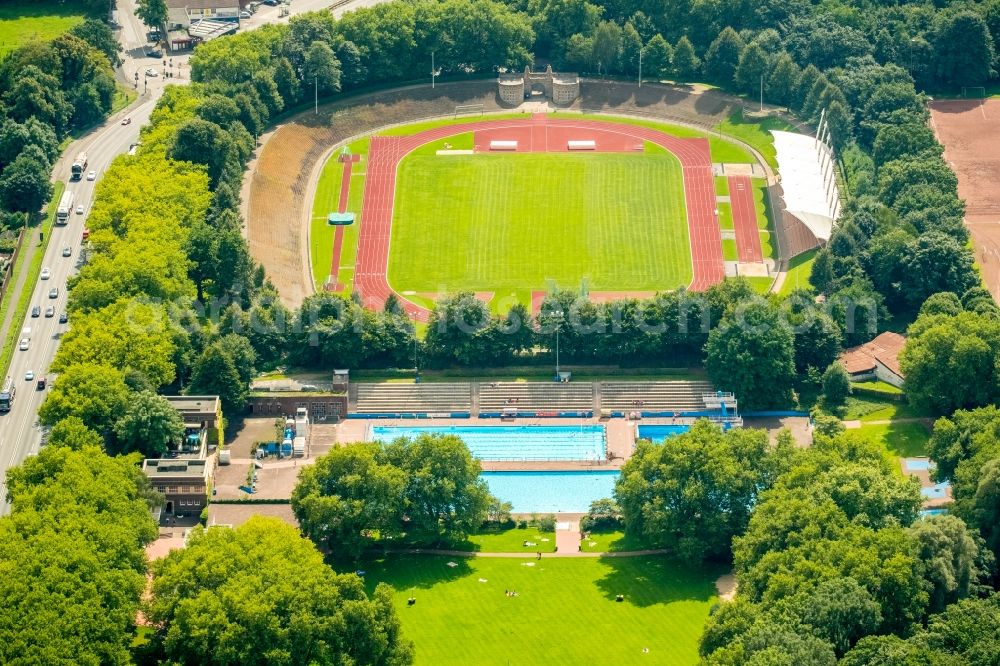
{"x":808,"y":181}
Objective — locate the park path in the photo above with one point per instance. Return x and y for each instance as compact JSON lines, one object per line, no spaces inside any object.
{"x":528,"y":556}
{"x":567,"y":536}
{"x":30,"y":245}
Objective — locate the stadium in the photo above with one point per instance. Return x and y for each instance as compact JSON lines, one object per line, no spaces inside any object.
{"x":460,"y":192}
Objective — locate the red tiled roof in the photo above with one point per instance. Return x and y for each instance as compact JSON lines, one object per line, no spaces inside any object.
{"x":883,"y":349}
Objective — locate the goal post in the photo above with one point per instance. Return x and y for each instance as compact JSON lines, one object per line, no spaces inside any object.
{"x":974,"y":92}
{"x":468,"y":110}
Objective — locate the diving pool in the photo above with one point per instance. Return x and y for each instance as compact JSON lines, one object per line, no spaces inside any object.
{"x":586,"y":442}
{"x":551,"y":492}
{"x":658,"y":433}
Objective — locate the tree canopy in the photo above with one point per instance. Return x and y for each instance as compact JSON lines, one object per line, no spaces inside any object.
{"x":425,"y":489}
{"x":696,"y":493}
{"x":210,"y":603}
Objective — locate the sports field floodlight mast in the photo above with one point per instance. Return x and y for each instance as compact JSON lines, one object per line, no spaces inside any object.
{"x":640,"y":65}
{"x":558,"y":313}
{"x":434,"y":70}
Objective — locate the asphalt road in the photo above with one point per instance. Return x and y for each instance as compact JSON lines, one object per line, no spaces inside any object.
{"x":20,"y":434}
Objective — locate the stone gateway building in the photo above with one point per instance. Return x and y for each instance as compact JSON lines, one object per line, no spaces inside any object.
{"x":560,"y":87}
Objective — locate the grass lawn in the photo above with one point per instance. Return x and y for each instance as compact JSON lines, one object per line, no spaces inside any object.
{"x":729,"y":250}
{"x":864,"y":408}
{"x":903,"y":440}
{"x":609,"y":541}
{"x":767,"y":248}
{"x":761,"y":285}
{"x":721,"y":186}
{"x":725,"y":216}
{"x":565,"y":611}
{"x":756,"y":133}
{"x":881,"y":386}
{"x":509,"y":540}
{"x":36,"y":21}
{"x":617,"y":220}
{"x":799,"y":270}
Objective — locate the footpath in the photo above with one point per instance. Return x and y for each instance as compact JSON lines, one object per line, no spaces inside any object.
{"x":29,"y":247}
{"x":528,"y":556}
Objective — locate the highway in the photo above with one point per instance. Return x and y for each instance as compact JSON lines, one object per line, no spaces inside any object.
{"x":20,"y":434}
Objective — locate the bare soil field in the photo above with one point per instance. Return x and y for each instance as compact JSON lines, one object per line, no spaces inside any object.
{"x":970,"y":133}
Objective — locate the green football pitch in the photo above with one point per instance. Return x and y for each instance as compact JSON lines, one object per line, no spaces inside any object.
{"x":517,"y":222}
{"x":564,"y":613}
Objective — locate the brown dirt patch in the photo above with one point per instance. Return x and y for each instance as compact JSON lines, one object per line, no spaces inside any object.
{"x":970,"y":133}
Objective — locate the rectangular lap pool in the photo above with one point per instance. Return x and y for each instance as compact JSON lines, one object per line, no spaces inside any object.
{"x":658,"y":433}
{"x":551,"y":492}
{"x":586,"y":442}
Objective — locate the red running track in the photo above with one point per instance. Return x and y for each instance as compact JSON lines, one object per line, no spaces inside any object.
{"x":338,"y":233}
{"x":745,"y":220}
{"x":385,"y":153}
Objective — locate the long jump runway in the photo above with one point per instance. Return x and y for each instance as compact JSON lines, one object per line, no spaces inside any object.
{"x":544,"y":135}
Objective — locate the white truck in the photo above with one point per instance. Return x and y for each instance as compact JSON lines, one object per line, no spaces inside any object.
{"x":302,"y":422}
{"x":65,"y":208}
{"x":299,"y":447}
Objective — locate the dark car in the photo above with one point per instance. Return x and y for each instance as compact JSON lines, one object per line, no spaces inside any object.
{"x":270,"y":3}
{"x":154,"y":53}
{"x":63,"y":318}
{"x":36,"y":311}
{"x":41,"y":384}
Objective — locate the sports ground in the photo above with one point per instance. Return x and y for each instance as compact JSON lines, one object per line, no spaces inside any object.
{"x":439,"y":210}
{"x":969,"y":130}
{"x":514,"y":222}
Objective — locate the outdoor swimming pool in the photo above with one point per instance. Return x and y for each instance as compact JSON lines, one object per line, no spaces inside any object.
{"x":917,"y":464}
{"x":937,"y":491}
{"x":924,"y":513}
{"x":658,"y":433}
{"x":583,"y":442}
{"x":551,"y":492}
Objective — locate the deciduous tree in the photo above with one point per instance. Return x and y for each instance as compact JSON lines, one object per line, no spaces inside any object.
{"x":149,"y":425}
{"x":752,"y":354}
{"x":350,"y":496}
{"x":210,"y":603}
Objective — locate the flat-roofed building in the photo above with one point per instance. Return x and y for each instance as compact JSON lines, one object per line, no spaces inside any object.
{"x":183,"y":482}
{"x":182,"y":13}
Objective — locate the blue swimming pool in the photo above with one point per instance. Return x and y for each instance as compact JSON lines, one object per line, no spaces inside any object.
{"x":937,"y":491}
{"x":658,"y":433}
{"x":586,"y":442}
{"x":924,"y":513}
{"x":917,"y":464}
{"x":551,"y":492}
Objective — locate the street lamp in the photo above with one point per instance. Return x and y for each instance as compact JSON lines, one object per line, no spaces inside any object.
{"x":434,"y":71}
{"x":558,"y":313}
{"x":316,"y":94}
{"x":640,"y":66}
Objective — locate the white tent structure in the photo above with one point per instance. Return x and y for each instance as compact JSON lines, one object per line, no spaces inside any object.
{"x":808,"y":181}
